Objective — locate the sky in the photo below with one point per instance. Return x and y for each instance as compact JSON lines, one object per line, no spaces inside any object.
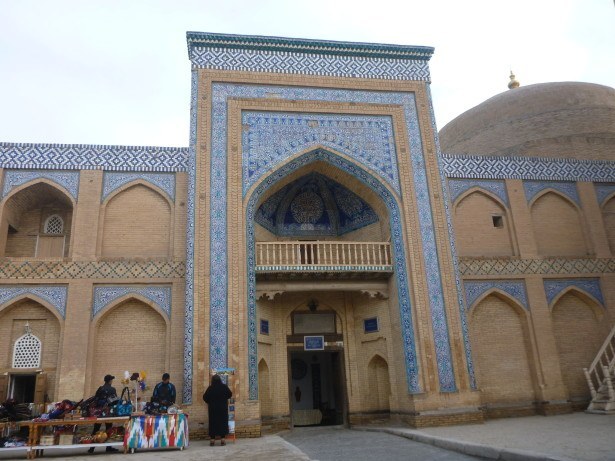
{"x":117,"y":72}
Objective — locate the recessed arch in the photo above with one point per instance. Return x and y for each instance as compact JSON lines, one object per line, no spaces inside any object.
{"x":137,"y":182}
{"x":60,"y":188}
{"x":594,"y":304}
{"x":558,"y":225}
{"x":98,"y":316}
{"x":608,"y":216}
{"x":513,"y":302}
{"x":347,"y":167}
{"x":36,"y":299}
{"x":379,"y":384}
{"x":264,"y":388}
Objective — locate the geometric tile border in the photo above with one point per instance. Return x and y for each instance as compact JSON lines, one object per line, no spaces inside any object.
{"x":103,"y":296}
{"x":91,"y":269}
{"x":53,"y":294}
{"x":515,"y":288}
{"x":115,"y":180}
{"x":92,"y":157}
{"x":529,"y":168}
{"x":569,"y":189}
{"x":554,"y":287}
{"x":68,"y":180}
{"x":549,"y":266}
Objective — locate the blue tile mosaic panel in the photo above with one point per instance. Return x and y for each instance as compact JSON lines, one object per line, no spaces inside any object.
{"x":553,"y":287}
{"x":68,"y":180}
{"x":515,"y":288}
{"x":55,"y":295}
{"x":530,"y":168}
{"x":269,"y":137}
{"x":106,"y":295}
{"x":220,"y":93}
{"x":459,"y":186}
{"x":114,"y":180}
{"x":92,"y":157}
{"x":568,"y":189}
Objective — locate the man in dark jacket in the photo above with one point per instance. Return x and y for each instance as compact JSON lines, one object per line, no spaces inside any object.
{"x":164,"y":392}
{"x":103,"y":395}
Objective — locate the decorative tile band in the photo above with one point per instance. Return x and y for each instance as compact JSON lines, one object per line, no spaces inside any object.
{"x":515,"y":288}
{"x":91,"y":269}
{"x":530,"y":168}
{"x":451,"y":237}
{"x":324,"y":269}
{"x":113,"y":181}
{"x":553,"y":287}
{"x":569,"y":189}
{"x":220,"y":93}
{"x":68,"y":180}
{"x":159,"y":295}
{"x":603,"y":191}
{"x":460,"y":186}
{"x":53,"y":294}
{"x":553,"y":266}
{"x":269,"y":137}
{"x":398,"y":251}
{"x":92,"y":157}
{"x":309,"y":63}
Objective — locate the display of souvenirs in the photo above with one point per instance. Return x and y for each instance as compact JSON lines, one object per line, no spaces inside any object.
{"x":13,"y":411}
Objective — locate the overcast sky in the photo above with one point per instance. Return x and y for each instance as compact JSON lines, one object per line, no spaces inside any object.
{"x":117,"y":72}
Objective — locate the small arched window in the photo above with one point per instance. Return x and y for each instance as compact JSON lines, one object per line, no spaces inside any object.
{"x":27,"y":352}
{"x":54,"y":225}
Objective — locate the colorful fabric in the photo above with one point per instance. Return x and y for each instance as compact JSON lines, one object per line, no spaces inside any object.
{"x":157,"y":431}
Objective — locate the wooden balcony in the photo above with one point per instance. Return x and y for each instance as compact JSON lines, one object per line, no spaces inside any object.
{"x":323,"y":257}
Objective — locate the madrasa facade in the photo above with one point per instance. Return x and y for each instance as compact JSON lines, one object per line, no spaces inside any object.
{"x":319,"y":237}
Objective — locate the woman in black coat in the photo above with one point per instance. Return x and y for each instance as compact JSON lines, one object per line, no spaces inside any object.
{"x":216,"y":396}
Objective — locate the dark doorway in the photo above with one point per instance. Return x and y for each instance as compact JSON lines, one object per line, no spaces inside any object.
{"x":22,"y":388}
{"x":317,"y":388}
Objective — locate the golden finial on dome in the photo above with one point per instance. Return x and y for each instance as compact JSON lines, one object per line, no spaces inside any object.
{"x":514,"y":83}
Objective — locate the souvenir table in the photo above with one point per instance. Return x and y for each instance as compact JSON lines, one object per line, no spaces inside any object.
{"x":156,"y":431}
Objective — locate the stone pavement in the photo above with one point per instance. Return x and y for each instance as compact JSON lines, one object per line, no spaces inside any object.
{"x":577,"y":436}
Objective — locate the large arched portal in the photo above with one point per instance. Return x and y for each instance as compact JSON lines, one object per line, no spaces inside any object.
{"x":325,"y":254}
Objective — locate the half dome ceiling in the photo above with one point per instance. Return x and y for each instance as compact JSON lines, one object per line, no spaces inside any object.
{"x":314,"y":205}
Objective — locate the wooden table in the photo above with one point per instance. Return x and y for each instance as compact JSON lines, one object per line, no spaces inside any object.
{"x":34,"y":449}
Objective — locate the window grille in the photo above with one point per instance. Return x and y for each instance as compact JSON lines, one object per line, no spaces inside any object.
{"x":27,"y":352}
{"x":54,"y":225}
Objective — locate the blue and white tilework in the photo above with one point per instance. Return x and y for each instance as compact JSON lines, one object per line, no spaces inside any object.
{"x":54,"y":294}
{"x":530,"y":168}
{"x":451,"y":236}
{"x":269,"y":137}
{"x":604,"y":191}
{"x":515,"y":288}
{"x":568,"y":189}
{"x":159,"y":295}
{"x":398,"y":251}
{"x":314,"y":205}
{"x":68,"y":180}
{"x":220,"y":93}
{"x":190,"y":228}
{"x":114,"y":180}
{"x":92,"y":157}
{"x":458,"y":186}
{"x":553,"y":287}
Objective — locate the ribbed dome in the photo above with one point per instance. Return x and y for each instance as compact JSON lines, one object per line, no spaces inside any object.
{"x":565,"y":119}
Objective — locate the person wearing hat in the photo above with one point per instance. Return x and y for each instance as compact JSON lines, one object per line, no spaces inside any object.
{"x":103,"y":394}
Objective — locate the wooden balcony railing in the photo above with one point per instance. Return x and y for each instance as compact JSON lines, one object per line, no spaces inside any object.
{"x":325,"y":255}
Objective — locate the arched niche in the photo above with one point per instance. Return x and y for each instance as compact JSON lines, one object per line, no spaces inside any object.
{"x":482,"y":226}
{"x":26,"y":214}
{"x":129,"y":335}
{"x":608,"y":215}
{"x":264,"y":389}
{"x":379,"y":385}
{"x":136,"y":223}
{"x":576,"y":326}
{"x":499,"y":336}
{"x":557,"y":225}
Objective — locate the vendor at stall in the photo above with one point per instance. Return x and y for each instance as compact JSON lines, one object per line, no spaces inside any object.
{"x":164,"y":392}
{"x":104,"y":394}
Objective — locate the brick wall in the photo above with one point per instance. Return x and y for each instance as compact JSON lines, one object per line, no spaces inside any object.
{"x":608,"y":213}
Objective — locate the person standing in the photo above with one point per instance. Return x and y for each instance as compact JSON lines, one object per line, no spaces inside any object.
{"x":101,"y":399}
{"x":164,"y":392}
{"x":216,"y":397}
